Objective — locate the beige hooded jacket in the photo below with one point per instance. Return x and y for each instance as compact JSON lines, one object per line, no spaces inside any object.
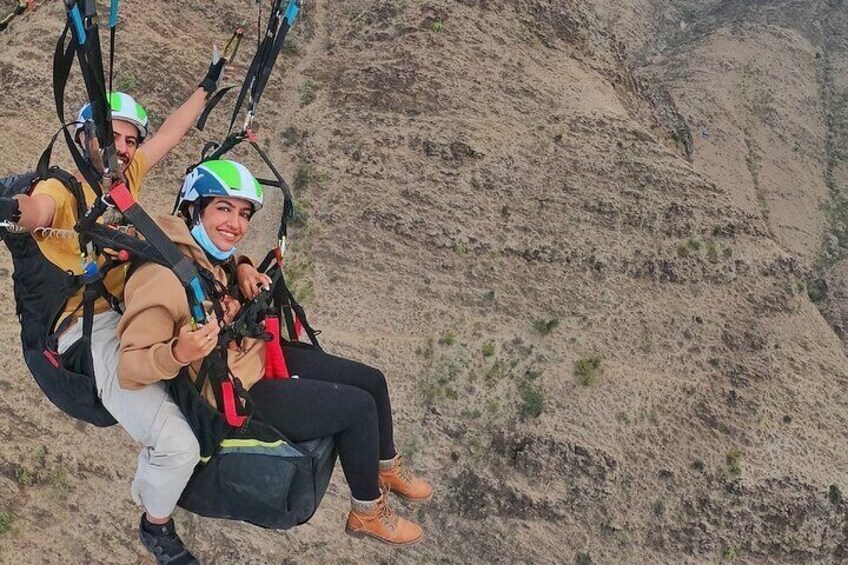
{"x":156,"y":308}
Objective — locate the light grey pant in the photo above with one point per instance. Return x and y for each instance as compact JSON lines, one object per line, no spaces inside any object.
{"x":170,"y":450}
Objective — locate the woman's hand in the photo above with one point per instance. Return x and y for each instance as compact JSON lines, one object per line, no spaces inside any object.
{"x":193,"y":345}
{"x":250,"y":281}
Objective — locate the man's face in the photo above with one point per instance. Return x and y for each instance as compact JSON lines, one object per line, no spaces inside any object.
{"x":126,"y":144}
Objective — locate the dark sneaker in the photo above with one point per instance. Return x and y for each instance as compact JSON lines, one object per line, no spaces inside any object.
{"x":164,"y":543}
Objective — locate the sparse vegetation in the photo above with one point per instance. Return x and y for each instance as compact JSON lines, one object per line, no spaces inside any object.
{"x":532,"y":374}
{"x":712,"y":251}
{"x":27,"y":475}
{"x":59,"y":486}
{"x":816,"y":290}
{"x":734,"y":463}
{"x":544,"y":327}
{"x":291,"y":47}
{"x":300,"y":215}
{"x":834,"y":495}
{"x":24,"y":476}
{"x":299,"y":274}
{"x":440,"y":382}
{"x":426,"y":351}
{"x":497,"y":371}
{"x":307,"y":93}
{"x":302,"y":177}
{"x":686,"y":248}
{"x":6,"y":520}
{"x":587,"y":370}
{"x":437,"y":26}
{"x":729,"y":554}
{"x":493,"y":406}
{"x":448,"y":339}
{"x":39,"y":457}
{"x":532,"y":401}
{"x":583,"y":558}
{"x":488,"y":349}
{"x":460,"y":248}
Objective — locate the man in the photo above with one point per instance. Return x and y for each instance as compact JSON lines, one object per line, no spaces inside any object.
{"x":170,"y":450}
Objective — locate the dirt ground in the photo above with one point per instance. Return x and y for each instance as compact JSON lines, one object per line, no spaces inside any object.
{"x":596,"y":247}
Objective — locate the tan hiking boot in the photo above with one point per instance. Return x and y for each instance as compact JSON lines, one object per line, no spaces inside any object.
{"x":375,"y":519}
{"x":396,"y":477}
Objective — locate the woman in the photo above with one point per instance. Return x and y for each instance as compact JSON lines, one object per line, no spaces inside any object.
{"x":332,"y":396}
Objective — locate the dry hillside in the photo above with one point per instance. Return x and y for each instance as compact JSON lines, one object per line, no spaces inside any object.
{"x":597,"y":247}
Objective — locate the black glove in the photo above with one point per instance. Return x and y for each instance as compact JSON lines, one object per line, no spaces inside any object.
{"x":213,"y":75}
{"x":10,"y":210}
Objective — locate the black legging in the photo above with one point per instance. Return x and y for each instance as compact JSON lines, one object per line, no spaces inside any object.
{"x":338,"y":397}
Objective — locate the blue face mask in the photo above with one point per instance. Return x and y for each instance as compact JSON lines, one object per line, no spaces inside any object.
{"x":202,"y":239}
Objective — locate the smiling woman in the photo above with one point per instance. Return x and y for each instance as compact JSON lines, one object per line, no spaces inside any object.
{"x":226,"y":195}
{"x":329,"y":396}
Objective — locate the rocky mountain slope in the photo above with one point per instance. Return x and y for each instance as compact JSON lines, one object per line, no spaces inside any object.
{"x":590,"y":243}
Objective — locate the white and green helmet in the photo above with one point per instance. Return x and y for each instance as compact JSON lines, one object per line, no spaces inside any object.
{"x":220,"y":178}
{"x":124,"y":107}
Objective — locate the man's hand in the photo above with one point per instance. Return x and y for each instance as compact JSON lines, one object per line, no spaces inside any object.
{"x":193,"y":345}
{"x":231,"y":308}
{"x":212,"y":80}
{"x":250,"y":281}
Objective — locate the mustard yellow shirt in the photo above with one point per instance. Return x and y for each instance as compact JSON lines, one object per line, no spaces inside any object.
{"x":64,"y":252}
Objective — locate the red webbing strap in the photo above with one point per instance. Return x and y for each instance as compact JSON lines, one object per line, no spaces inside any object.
{"x":121,"y":196}
{"x":298,"y":328}
{"x":228,"y":395}
{"x":52,"y":358}
{"x":275,"y":362}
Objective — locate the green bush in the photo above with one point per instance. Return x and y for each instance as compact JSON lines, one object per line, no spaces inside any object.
{"x":544,"y":327}
{"x":532,"y":402}
{"x":734,"y":462}
{"x":448,"y":339}
{"x":587,"y":369}
{"x":307,"y":93}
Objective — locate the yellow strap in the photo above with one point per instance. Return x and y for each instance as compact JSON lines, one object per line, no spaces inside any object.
{"x":251,"y":443}
{"x":235,"y":443}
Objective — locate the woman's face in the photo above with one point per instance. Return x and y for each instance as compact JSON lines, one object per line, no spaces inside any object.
{"x":226,"y":221}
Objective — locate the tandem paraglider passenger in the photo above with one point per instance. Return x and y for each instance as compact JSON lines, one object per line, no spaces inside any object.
{"x":318,"y":395}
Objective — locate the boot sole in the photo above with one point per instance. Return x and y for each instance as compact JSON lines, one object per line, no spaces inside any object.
{"x":363,"y":534}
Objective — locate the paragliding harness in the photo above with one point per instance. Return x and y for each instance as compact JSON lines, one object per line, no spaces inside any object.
{"x":249,"y":470}
{"x":42,"y":289}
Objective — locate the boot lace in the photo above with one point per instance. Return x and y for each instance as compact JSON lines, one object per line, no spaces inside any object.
{"x":403,"y":471}
{"x":386,"y":514}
